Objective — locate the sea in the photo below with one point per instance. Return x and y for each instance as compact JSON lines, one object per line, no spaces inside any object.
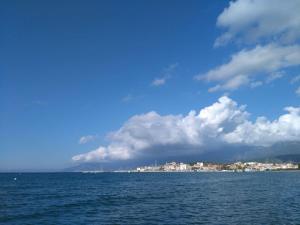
{"x":150,"y":198}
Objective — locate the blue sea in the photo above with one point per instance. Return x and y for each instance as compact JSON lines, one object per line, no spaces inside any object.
{"x":150,"y":198}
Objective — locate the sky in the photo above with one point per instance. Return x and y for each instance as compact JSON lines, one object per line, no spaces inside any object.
{"x":107,"y":81}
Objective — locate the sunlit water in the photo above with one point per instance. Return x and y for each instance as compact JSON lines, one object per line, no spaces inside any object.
{"x":150,"y":198}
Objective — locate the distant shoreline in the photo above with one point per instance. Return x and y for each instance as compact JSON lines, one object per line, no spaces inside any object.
{"x":131,"y":172}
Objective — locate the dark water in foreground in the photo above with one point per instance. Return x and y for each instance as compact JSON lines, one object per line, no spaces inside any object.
{"x":150,"y":198}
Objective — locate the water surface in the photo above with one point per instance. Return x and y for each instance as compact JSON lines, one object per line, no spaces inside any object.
{"x":150,"y":198}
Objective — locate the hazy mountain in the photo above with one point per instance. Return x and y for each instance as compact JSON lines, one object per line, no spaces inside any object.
{"x":280,"y":152}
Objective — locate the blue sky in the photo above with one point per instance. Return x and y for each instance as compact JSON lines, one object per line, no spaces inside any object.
{"x":83,"y":68}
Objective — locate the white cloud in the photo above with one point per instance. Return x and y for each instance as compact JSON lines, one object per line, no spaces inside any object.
{"x":246,"y":65}
{"x":224,"y":122}
{"x":159,"y":81}
{"x":166,"y":74}
{"x":86,"y":139}
{"x":256,"y":20}
{"x":275,"y":76}
{"x":265,"y":133}
{"x":273,"y":26}
{"x":255,"y":84}
{"x":295,"y":79}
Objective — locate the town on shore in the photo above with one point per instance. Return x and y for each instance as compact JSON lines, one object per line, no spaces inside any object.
{"x":218,"y":167}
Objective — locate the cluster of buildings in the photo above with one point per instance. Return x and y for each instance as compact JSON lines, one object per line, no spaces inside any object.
{"x":214,"y":167}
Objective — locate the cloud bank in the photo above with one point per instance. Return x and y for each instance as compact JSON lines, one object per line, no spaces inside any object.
{"x":222,"y":123}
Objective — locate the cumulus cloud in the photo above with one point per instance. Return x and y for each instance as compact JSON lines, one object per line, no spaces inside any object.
{"x":265,"y":133}
{"x":245,"y":66}
{"x":86,"y":139}
{"x":224,"y":122}
{"x":256,"y":20}
{"x":166,"y":74}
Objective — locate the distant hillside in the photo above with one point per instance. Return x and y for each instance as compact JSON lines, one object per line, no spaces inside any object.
{"x":289,"y":158}
{"x":280,"y":152}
